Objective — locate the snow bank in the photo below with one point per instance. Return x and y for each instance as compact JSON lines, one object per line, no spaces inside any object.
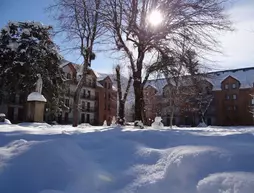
{"x":35,"y":96}
{"x":202,"y":124}
{"x":236,"y":182}
{"x":34,"y":125}
{"x":63,"y":159}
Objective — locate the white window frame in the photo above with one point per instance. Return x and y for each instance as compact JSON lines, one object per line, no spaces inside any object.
{"x":234,"y":96}
{"x":252,"y":101}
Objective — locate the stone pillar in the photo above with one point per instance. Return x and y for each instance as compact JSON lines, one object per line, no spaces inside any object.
{"x":35,"y":107}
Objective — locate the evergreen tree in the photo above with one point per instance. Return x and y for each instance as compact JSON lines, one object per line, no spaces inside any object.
{"x":26,"y":50}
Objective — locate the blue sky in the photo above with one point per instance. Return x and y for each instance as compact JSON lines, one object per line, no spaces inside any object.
{"x":237,"y":46}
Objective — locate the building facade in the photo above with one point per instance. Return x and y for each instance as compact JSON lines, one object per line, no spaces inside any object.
{"x":97,"y":99}
{"x":231,"y":100}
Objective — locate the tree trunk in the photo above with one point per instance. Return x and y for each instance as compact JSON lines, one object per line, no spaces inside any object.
{"x":121,"y":114}
{"x":138,"y":88}
{"x":138,"y":107}
{"x":171,"y":118}
{"x":142,"y":103}
{"x":76,"y":102}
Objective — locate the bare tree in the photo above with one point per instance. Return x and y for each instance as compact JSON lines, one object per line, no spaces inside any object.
{"x":187,"y":88}
{"x":80,"y":22}
{"x":121,"y":98}
{"x":133,"y":26}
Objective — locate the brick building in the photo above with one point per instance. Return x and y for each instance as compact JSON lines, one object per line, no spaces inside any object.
{"x":231,"y":104}
{"x":107,"y":99}
{"x":97,"y":100}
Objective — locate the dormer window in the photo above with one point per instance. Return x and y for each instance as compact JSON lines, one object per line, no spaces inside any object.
{"x":68,"y":76}
{"x":252,"y":101}
{"x":226,"y":86}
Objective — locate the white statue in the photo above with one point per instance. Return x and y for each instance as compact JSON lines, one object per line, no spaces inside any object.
{"x":39,"y":84}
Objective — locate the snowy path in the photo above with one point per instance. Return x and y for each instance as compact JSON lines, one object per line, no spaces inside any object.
{"x":62,"y":159}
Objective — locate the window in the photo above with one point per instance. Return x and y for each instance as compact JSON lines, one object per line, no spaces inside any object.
{"x":67,"y":102}
{"x":83,"y":106}
{"x":164,"y":93}
{"x":109,"y":96}
{"x":84,"y":92}
{"x":208,"y":91}
{"x":227,"y":97}
{"x":68,"y":76}
{"x":105,"y":84}
{"x":109,"y":85}
{"x":235,"y":108}
{"x":88,"y":106}
{"x":13,"y":98}
{"x":109,"y":107}
{"x":234,"y":96}
{"x":226,"y":86}
{"x":233,"y":86}
{"x":88,"y":94}
{"x":252,"y":101}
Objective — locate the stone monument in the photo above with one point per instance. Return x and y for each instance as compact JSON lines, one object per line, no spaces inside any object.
{"x":36,"y":103}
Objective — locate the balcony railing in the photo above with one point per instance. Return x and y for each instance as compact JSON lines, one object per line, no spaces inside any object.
{"x":86,"y":84}
{"x":90,"y":84}
{"x":89,"y":97}
{"x":88,"y":109}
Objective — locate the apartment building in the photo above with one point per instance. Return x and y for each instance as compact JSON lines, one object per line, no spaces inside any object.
{"x":107,"y":102}
{"x":97,"y":100}
{"x":87,"y":105}
{"x":15,"y":110}
{"x":231,"y":103}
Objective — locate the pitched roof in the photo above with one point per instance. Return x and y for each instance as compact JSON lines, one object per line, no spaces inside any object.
{"x":244,"y":75}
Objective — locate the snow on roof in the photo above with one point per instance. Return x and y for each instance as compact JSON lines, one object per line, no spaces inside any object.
{"x":99,"y":84}
{"x":35,"y":96}
{"x":152,"y":86}
{"x":101,"y":76}
{"x":157,"y":84}
{"x":245,"y":76}
{"x":114,"y":88}
{"x":63,"y":63}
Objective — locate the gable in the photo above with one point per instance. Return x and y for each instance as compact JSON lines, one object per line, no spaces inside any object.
{"x":151,"y":88}
{"x":229,"y":79}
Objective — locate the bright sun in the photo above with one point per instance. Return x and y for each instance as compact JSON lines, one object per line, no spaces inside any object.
{"x":155,"y":18}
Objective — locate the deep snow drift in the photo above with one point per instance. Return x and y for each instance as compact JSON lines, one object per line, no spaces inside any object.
{"x":37,"y":158}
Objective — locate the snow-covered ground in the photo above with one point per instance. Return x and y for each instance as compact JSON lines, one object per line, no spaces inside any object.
{"x":36,"y":158}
